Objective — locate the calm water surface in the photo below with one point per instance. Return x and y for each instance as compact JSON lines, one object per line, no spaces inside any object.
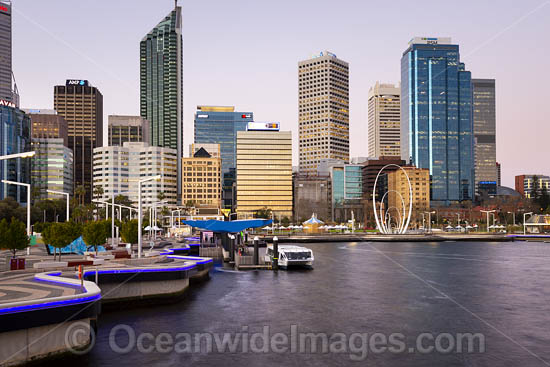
{"x":500,"y":290}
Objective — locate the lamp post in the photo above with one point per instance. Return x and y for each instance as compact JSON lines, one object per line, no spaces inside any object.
{"x":22,"y":155}
{"x":430,"y":220}
{"x":514,"y":217}
{"x":487,"y":212}
{"x":157,"y":177}
{"x":28,"y":186}
{"x":458,"y":214}
{"x":62,"y":193}
{"x":524,"y":214}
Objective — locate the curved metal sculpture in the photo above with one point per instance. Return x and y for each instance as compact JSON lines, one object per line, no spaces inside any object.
{"x":402,"y":217}
{"x":380,"y":224}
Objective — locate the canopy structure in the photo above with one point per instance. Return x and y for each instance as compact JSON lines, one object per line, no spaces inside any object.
{"x":313,"y":220}
{"x":227,"y":227}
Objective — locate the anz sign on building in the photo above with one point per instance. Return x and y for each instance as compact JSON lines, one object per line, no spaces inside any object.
{"x":71,"y":82}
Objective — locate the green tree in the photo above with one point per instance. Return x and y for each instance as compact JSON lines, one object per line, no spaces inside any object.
{"x":263,"y":213}
{"x":129,"y":231}
{"x":60,"y":235}
{"x":10,"y":208}
{"x":13,"y":235}
{"x":80,"y":193}
{"x":96,"y":233}
{"x":285,"y":221}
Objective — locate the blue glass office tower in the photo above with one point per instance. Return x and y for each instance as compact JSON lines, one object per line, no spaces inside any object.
{"x":15,"y":137}
{"x":437,"y":121}
{"x":219,"y":125}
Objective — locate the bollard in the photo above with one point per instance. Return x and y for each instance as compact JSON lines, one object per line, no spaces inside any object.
{"x":256,"y":241}
{"x":231,"y":248}
{"x":275,"y":263}
{"x":81,"y":275}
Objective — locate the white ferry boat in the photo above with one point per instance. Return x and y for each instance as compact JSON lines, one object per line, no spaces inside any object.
{"x":290,"y":255}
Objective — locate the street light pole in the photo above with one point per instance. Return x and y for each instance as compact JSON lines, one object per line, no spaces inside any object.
{"x":28,"y":186}
{"x":487,"y":212}
{"x":157,"y":177}
{"x":62,"y":193}
{"x":514,"y":216}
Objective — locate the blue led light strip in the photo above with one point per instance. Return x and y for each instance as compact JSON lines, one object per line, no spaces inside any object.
{"x":136,"y":271}
{"x":90,"y":295}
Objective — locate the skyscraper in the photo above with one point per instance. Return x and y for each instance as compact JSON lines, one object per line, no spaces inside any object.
{"x":323,"y":105}
{"x":15,"y":137}
{"x":5,"y":51}
{"x":384,"y":121}
{"x":161,"y":79}
{"x":219,"y":125}
{"x":82,"y":107}
{"x":124,"y":129}
{"x":264,"y":170}
{"x":485,"y":152}
{"x":436,"y":117}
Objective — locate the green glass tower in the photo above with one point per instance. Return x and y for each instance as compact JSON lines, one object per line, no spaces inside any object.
{"x":161,"y":95}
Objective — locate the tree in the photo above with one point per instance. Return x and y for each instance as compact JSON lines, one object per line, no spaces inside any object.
{"x":10,"y":208}
{"x":98,"y":192}
{"x":285,"y":221}
{"x":13,"y":235}
{"x":161,"y":196}
{"x":129,"y":231}
{"x":60,"y":235}
{"x":96,"y":233}
{"x":263,"y":213}
{"x":80,"y":193}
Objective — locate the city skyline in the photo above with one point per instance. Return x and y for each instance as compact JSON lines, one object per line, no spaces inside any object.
{"x":263,"y":79}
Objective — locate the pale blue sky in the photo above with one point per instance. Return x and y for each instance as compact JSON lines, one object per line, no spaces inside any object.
{"x":245,"y":53}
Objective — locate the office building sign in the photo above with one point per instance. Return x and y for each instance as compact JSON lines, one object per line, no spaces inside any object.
{"x":3,"y":102}
{"x":76,"y":82}
{"x":262,"y":126}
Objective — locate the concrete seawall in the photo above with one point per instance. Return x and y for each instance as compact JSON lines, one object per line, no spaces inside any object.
{"x":353,"y":237}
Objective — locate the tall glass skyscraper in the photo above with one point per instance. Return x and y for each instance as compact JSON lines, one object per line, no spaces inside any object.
{"x":485,"y":136}
{"x":15,"y":137}
{"x":161,"y":80}
{"x":5,"y":51}
{"x":219,"y":125}
{"x":437,"y":122}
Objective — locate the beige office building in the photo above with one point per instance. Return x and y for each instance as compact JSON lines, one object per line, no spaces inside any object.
{"x":420,"y":183}
{"x":384,"y":120}
{"x":201,"y":176}
{"x":323,"y":106}
{"x":264,"y":172}
{"x":118,"y":170}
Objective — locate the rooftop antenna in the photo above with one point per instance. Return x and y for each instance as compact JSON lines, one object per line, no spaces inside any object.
{"x":175,"y":3}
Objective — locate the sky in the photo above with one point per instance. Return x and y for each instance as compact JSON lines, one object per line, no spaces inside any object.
{"x":244,"y":53}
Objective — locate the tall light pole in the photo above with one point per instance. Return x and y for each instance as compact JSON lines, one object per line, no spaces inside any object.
{"x":458,"y":214}
{"x":157,"y":177}
{"x":524,"y":214}
{"x":430,"y":220}
{"x":62,"y":193}
{"x":514,"y":214}
{"x":28,"y":186}
{"x":487,"y":212}
{"x":22,"y":155}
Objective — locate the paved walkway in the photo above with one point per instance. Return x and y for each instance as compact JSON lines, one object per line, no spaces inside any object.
{"x":24,"y":287}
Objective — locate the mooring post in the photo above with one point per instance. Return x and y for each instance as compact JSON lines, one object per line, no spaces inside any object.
{"x":275,"y":263}
{"x":231,"y":247}
{"x":256,"y":241}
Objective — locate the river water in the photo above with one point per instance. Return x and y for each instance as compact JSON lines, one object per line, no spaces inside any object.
{"x":372,"y":302}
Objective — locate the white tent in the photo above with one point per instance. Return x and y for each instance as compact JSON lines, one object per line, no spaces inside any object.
{"x":148,"y":228}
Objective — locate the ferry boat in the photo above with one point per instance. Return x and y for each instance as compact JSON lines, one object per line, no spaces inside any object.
{"x":291,"y":255}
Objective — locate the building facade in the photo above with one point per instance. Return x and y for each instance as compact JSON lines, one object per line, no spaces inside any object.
{"x":399,"y":194}
{"x":323,"y":111}
{"x":264,"y":172}
{"x":52,"y":167}
{"x":161,"y":84}
{"x":437,"y":122}
{"x":201,"y":177}
{"x":384,"y":120}
{"x":311,"y":195}
{"x":6,"y":92}
{"x":81,"y":105}
{"x":485,"y":151}
{"x":118,"y":170}
{"x":15,"y":137}
{"x":527,"y":184}
{"x":219,"y":125}
{"x":370,"y":170}
{"x":346,"y":191}
{"x":124,"y":129}
{"x":47,"y":124}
